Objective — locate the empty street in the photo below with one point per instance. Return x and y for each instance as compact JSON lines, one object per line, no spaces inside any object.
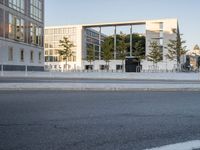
{"x":59,"y":120}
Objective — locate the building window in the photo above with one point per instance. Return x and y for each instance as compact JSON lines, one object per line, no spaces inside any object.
{"x":10,"y":54}
{"x":119,"y":67}
{"x":16,"y":28}
{"x":46,"y":45}
{"x":88,"y":67}
{"x":32,"y":56}
{"x":74,"y":58}
{"x":18,"y":5}
{"x":104,"y":67}
{"x":22,"y":55}
{"x":56,"y":52}
{"x":36,"y":35}
{"x":36,"y":10}
{"x":46,"y":52}
{"x":51,"y":52}
{"x":46,"y":58}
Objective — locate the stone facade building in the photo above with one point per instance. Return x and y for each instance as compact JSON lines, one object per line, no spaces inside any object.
{"x":21,"y":35}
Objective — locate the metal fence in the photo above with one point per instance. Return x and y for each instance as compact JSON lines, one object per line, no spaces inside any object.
{"x":50,"y":73}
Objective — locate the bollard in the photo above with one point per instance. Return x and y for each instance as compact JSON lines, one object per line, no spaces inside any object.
{"x":2,"y":70}
{"x":26,"y":71}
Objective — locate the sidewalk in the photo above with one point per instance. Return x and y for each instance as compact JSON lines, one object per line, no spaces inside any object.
{"x":99,"y":87}
{"x":103,"y":86}
{"x":105,"y":75}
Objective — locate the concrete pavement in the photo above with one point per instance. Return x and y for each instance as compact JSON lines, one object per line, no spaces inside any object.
{"x":104,"y":82}
{"x":99,"y":87}
{"x":107,"y":75}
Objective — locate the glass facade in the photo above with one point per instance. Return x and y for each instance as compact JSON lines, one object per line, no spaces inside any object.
{"x":16,"y":28}
{"x":36,"y":9}
{"x":18,"y":5}
{"x":92,"y":40}
{"x":1,"y":22}
{"x":15,"y":25}
{"x":52,"y":44}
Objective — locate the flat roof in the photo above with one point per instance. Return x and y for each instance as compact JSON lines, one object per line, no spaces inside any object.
{"x":114,"y":24}
{"x":141,"y":22}
{"x":127,"y":23}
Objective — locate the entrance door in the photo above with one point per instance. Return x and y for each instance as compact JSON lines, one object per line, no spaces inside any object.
{"x":131,"y":65}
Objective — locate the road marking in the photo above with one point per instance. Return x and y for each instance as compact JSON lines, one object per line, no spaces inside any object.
{"x":190,"y":145}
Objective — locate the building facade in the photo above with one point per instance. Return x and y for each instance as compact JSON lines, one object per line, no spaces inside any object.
{"x":160,"y":31}
{"x":21,"y":35}
{"x":75,"y":34}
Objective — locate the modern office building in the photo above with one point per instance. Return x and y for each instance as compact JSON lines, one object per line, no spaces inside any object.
{"x":75,"y":34}
{"x":161,"y":31}
{"x":21,"y":35}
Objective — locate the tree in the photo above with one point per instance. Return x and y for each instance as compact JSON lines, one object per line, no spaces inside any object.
{"x":139,"y":51}
{"x":196,"y":47}
{"x":66,"y":51}
{"x":135,"y":39}
{"x":155,"y":54}
{"x":122,"y":49}
{"x":198,"y":62}
{"x":107,"y":51}
{"x":176,"y":48}
{"x":123,"y":45}
{"x":90,"y":54}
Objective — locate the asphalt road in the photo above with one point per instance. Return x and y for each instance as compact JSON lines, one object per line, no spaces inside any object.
{"x":60,"y":80}
{"x":42,"y":120}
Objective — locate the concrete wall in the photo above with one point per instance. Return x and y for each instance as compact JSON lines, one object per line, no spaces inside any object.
{"x":16,"y":62}
{"x":154,"y":32}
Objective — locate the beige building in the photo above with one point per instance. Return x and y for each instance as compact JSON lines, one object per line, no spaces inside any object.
{"x":160,"y":31}
{"x":75,"y":34}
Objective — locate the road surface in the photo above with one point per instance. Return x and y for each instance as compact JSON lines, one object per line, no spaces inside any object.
{"x":59,"y":120}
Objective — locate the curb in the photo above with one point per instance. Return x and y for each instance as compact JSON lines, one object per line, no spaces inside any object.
{"x":107,"y":89}
{"x":98,"y":87}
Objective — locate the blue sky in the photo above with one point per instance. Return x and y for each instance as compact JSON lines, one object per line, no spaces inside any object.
{"x":62,"y":12}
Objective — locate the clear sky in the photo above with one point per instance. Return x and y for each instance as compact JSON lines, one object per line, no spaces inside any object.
{"x":63,"y":12}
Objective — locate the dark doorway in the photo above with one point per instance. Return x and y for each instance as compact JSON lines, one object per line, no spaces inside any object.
{"x":88,"y":67}
{"x":131,"y":65}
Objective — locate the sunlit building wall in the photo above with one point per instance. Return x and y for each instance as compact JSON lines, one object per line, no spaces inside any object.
{"x":75,"y":34}
{"x":21,"y":35}
{"x":84,"y":36}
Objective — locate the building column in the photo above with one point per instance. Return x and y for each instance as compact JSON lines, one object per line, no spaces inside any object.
{"x":131,"y":41}
{"x":100,"y":43}
{"x":115,"y":43}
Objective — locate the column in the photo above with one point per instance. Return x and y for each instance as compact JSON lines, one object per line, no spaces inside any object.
{"x":131,"y":41}
{"x":99,"y":43}
{"x":115,"y":43}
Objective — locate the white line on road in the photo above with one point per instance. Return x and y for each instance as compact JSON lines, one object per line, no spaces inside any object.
{"x":190,"y":145}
